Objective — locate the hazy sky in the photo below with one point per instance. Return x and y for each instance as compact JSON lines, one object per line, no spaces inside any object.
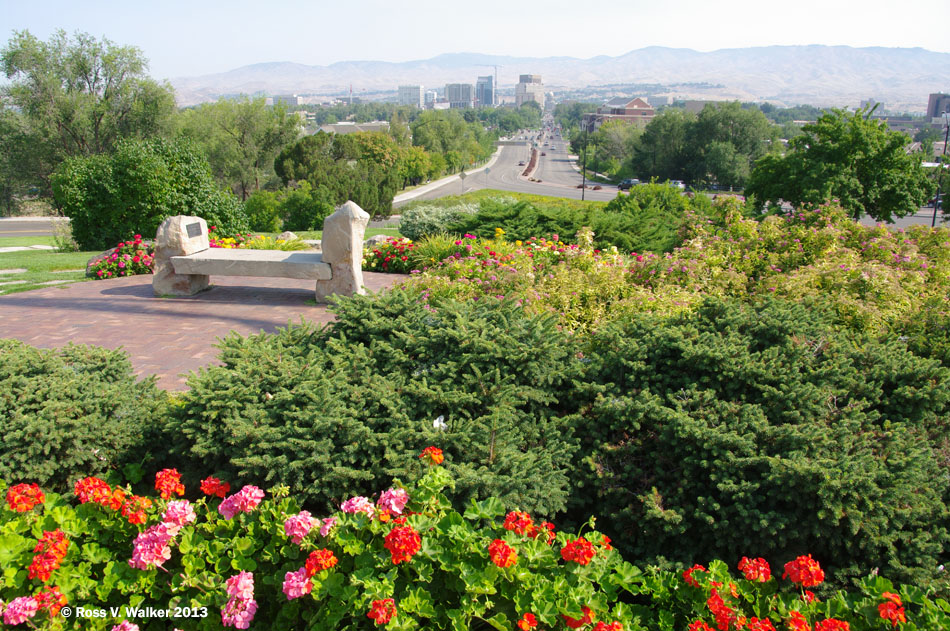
{"x":187,"y":38}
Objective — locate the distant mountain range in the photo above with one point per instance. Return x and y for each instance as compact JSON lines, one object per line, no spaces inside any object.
{"x":901,"y":78}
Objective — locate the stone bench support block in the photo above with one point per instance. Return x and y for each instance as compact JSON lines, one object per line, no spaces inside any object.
{"x":342,"y":244}
{"x":178,"y":236}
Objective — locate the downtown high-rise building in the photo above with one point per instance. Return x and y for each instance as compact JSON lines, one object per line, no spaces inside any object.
{"x":411,"y":95}
{"x":459,"y":95}
{"x":529,"y":88}
{"x":485,"y":92}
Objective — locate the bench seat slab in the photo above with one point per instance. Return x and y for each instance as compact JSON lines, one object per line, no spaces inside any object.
{"x":239,"y":262}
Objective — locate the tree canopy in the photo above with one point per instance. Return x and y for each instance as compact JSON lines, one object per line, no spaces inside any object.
{"x":76,"y":96}
{"x":849,"y":157}
{"x":241,"y":139}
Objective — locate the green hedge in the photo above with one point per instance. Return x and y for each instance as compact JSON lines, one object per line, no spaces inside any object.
{"x":110,"y":198}
{"x":336,"y":412}
{"x":650,"y":219}
{"x":72,"y":412}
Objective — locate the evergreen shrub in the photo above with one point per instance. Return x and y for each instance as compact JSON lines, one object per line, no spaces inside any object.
{"x":622,"y":224}
{"x":72,"y":412}
{"x":425,"y":220}
{"x":335,"y":412}
{"x":764,"y":427}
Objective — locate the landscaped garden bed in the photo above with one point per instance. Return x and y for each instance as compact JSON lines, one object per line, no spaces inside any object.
{"x":770,"y":392}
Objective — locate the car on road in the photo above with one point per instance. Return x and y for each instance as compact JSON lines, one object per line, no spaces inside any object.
{"x":627,"y":184}
{"x":521,"y":164}
{"x":678,"y":184}
{"x":936,"y":202}
{"x":543,"y":153}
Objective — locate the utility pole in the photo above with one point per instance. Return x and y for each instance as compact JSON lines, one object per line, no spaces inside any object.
{"x":940,"y":167}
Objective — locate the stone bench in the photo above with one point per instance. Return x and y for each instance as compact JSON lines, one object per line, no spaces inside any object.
{"x":184,"y":260}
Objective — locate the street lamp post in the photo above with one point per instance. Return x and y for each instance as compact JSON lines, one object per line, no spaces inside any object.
{"x":946,"y":137}
{"x":584,"y":180}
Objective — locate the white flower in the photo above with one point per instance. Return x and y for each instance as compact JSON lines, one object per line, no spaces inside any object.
{"x":439,"y":423}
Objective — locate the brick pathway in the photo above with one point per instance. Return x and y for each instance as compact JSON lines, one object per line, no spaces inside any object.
{"x":167,"y":337}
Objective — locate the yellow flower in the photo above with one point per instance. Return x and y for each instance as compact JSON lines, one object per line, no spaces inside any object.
{"x":518,"y":243}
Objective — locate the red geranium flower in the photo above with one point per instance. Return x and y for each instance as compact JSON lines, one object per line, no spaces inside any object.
{"x":320,"y":560}
{"x":892,"y":610}
{"x":434,"y":454}
{"x":24,"y":497}
{"x":831,"y":624}
{"x":577,"y":623}
{"x":215,"y":487}
{"x":92,"y":490}
{"x":168,"y":483}
{"x":528,"y":621}
{"x":797,"y":622}
{"x":688,"y":575}
{"x":382,"y":611}
{"x":804,"y":570}
{"x":502,"y":554}
{"x":755,"y":570}
{"x":402,"y":542}
{"x":580,"y":551}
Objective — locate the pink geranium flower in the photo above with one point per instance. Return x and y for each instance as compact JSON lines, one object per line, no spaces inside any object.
{"x":358,"y":504}
{"x":299,"y":526}
{"x":393,"y":500}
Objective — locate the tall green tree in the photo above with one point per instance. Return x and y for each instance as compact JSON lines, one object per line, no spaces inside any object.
{"x":77,"y":96}
{"x":725,"y":141}
{"x":241,"y":139}
{"x":662,"y":150}
{"x":849,"y":157}
{"x":362,"y":167}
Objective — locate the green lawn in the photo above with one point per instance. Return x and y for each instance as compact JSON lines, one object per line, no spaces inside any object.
{"x":13,"y":241}
{"x":42,"y":266}
{"x":540,"y":201}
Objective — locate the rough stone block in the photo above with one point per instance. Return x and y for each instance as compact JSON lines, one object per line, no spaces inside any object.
{"x":178,"y":236}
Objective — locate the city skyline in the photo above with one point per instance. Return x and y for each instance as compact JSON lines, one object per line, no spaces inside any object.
{"x":191,"y":39}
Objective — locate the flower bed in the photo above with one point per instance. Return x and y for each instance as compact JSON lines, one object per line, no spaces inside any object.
{"x":255,"y":560}
{"x":128,"y":258}
{"x":875,"y":279}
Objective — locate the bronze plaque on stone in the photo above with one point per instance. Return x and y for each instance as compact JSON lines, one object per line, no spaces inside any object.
{"x":194,"y":230}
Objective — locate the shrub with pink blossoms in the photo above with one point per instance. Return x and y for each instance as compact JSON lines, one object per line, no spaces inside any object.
{"x":244,"y":501}
{"x":128,"y":259}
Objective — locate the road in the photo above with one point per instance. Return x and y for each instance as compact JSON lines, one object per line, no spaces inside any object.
{"x":558,"y":177}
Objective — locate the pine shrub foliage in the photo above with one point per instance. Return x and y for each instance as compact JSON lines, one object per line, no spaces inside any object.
{"x":741,"y":428}
{"x":72,"y":412}
{"x":337,"y":412}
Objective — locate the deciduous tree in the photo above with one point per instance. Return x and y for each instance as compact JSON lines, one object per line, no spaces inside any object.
{"x":850,"y":157}
{"x":241,"y":139}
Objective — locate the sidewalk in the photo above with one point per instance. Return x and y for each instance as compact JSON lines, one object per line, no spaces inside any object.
{"x":416,"y":192}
